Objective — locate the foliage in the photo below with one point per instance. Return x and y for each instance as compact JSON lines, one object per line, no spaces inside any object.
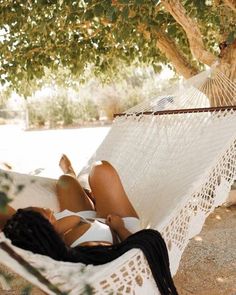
{"x":89,"y":110}
{"x":26,"y":290}
{"x":92,"y":100}
{"x":2,"y":101}
{"x":5,"y":190}
{"x":8,"y":278}
{"x":60,"y":110}
{"x":107,"y":34}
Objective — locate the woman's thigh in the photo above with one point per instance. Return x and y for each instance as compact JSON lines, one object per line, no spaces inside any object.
{"x":109,"y":192}
{"x":71,"y":195}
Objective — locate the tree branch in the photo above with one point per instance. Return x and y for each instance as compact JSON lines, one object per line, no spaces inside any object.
{"x":172,"y":52}
{"x":190,"y":26}
{"x":231,"y":4}
{"x":227,"y":63}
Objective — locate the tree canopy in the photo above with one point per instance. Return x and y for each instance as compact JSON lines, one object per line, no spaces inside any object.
{"x":107,"y":34}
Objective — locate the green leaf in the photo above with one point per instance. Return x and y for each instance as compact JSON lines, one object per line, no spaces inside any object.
{"x":20,"y":188}
{"x":4,"y":200}
{"x":7,"y":277}
{"x":160,"y":17}
{"x":98,"y":10}
{"x":157,"y":68}
{"x":110,"y":12}
{"x":231,"y":37}
{"x":31,"y":45}
{"x":139,"y":2}
{"x":88,"y":290}
{"x":172,"y":30}
{"x":124,"y":1}
{"x":89,"y":14}
{"x":26,"y":290}
{"x":125,"y":12}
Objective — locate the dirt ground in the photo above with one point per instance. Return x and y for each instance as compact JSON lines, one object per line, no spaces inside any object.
{"x":208,"y":266}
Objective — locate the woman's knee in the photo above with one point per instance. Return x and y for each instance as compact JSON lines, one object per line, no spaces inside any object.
{"x":101,"y":170}
{"x":102,"y":167}
{"x":66,"y":181}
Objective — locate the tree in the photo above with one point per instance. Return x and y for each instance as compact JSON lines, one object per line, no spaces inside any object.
{"x":186,"y":35}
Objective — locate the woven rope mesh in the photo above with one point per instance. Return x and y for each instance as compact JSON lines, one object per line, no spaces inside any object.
{"x":172,"y":167}
{"x":210,"y":88}
{"x":176,"y":168}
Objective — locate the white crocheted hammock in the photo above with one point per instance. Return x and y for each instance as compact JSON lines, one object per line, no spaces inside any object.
{"x":177,"y":160}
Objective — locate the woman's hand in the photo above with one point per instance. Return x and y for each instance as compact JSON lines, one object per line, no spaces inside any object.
{"x":116,"y":223}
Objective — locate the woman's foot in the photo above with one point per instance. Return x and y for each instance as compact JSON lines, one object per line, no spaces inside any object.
{"x":66,"y":166}
{"x":5,"y":166}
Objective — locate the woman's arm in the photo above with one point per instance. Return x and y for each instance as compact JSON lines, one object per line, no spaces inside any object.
{"x":117,"y":224}
{"x":123,"y":233}
{"x":65,"y":224}
{"x":5,"y":215}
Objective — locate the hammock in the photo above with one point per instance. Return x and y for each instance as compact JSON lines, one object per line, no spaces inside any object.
{"x":176,"y":157}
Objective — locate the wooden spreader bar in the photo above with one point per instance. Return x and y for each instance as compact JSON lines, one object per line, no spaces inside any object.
{"x":180,"y":111}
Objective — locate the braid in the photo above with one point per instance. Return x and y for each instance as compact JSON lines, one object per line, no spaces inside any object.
{"x":152,"y":245}
{"x":29,"y":230}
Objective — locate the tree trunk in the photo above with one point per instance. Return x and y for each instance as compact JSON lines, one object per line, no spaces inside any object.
{"x":190,"y":26}
{"x":228,"y":62}
{"x":231,"y":4}
{"x":170,"y":50}
{"x":219,"y":87}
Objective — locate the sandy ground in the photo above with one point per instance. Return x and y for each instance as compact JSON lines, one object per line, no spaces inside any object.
{"x":208,"y":266}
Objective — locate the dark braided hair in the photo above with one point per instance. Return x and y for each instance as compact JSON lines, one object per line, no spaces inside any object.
{"x":29,"y":230}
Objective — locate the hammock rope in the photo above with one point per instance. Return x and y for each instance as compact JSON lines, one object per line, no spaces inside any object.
{"x":178,"y":151}
{"x":193,"y":93}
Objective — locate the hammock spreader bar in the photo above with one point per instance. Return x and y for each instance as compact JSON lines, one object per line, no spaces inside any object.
{"x":180,"y":111}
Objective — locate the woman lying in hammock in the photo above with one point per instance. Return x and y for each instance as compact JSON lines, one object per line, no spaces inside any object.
{"x":90,"y":228}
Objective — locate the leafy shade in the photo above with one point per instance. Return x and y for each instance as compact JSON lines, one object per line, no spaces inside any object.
{"x":41,"y":34}
{"x":5,"y":187}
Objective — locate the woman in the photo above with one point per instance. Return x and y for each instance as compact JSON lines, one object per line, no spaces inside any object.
{"x":81,"y":221}
{"x":90,"y":228}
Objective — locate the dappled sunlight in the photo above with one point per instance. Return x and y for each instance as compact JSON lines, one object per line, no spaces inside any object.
{"x":218,"y":217}
{"x":198,"y":238}
{"x":220,"y":280}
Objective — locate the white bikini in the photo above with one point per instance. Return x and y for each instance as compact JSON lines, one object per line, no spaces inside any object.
{"x":98,"y":230}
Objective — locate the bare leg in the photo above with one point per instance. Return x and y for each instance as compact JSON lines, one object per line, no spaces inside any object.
{"x":70,"y":193}
{"x":108,"y":192}
{"x":66,"y":167}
